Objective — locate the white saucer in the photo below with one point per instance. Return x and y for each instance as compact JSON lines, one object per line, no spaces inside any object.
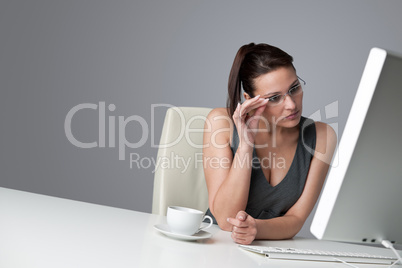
{"x":164,"y":229}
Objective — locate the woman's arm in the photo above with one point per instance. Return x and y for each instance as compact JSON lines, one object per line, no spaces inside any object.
{"x":228,"y":177}
{"x":246,"y":229}
{"x":224,"y":180}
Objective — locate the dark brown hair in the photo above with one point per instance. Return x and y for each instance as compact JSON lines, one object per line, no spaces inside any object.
{"x":251,"y":61}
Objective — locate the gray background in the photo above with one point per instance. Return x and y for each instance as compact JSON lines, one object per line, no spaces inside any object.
{"x":55,"y":55}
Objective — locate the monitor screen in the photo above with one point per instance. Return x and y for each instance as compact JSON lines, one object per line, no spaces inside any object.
{"x":362,"y":197}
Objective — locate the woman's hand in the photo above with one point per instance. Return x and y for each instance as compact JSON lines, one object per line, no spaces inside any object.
{"x":244,"y":228}
{"x":246,"y":118}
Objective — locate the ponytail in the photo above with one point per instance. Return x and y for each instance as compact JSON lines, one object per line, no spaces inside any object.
{"x":234,"y":84}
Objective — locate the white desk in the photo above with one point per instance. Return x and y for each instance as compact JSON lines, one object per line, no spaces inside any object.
{"x":43,"y":231}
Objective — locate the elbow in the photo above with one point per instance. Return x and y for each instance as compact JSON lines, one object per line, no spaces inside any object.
{"x":221,"y":220}
{"x":224,"y":225}
{"x":289,"y":236}
{"x":295,"y":230}
{"x":291,"y":226}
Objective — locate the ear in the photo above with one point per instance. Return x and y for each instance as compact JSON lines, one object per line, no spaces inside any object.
{"x":246,"y":96}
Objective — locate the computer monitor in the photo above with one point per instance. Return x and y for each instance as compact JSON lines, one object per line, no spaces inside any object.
{"x":362,"y":198}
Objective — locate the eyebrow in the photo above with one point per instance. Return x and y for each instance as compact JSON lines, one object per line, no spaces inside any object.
{"x":277,"y":92}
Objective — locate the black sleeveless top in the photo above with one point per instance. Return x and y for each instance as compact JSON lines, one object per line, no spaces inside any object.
{"x":266,"y":201}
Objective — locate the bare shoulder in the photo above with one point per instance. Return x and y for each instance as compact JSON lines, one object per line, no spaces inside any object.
{"x":219,"y":118}
{"x":219,"y":125}
{"x":218,"y":112}
{"x":325,"y":131}
{"x":326,"y":141}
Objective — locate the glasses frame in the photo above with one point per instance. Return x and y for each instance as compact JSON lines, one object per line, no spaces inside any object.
{"x":283,"y":96}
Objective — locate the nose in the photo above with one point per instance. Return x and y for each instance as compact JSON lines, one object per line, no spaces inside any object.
{"x":289,"y":102}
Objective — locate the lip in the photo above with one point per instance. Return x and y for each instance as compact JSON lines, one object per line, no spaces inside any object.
{"x":292,"y":116}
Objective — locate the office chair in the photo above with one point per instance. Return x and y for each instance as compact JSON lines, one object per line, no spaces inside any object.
{"x":179,"y":177}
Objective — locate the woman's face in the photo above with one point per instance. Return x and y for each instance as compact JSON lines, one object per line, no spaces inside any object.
{"x":273,"y":85}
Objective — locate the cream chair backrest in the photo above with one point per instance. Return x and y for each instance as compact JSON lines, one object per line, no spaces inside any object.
{"x":179,"y":176}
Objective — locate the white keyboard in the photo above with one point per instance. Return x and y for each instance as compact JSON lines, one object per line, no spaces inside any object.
{"x":318,"y":255}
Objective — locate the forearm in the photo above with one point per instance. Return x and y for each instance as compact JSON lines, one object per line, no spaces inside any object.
{"x":232,"y":195}
{"x":284,"y":227}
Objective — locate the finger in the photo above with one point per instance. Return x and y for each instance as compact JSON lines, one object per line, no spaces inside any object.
{"x":241,"y":239}
{"x":236,"y":114}
{"x":260,"y":109}
{"x":237,"y":236}
{"x":237,"y":223}
{"x":248,"y":107}
{"x":240,"y":230}
{"x":241,"y":215}
{"x":243,"y":235}
{"x":233,"y":221}
{"x":252,"y":101}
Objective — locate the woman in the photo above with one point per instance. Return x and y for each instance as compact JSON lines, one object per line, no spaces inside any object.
{"x":265,"y":172}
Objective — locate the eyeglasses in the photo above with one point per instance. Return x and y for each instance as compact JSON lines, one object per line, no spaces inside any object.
{"x":293,"y":91}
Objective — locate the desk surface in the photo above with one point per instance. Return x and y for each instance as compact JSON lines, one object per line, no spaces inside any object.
{"x":43,"y":231}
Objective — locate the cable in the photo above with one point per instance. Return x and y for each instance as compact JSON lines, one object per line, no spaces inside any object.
{"x":346,"y":263}
{"x":388,"y":244}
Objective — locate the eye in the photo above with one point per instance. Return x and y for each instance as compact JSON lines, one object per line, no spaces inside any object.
{"x":295,"y":89}
{"x":275,"y":99}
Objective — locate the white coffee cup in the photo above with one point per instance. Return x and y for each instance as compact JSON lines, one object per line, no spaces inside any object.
{"x":186,"y":221}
